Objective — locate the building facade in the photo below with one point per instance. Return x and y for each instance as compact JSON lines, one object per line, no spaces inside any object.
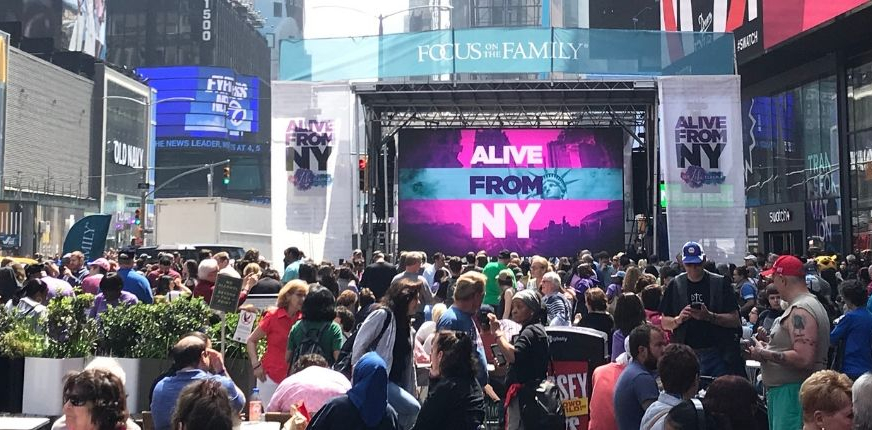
{"x":807,"y":103}
{"x":197,"y":54}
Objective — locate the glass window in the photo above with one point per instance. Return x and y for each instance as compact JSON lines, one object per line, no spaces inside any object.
{"x":270,"y":40}
{"x":277,"y":10}
{"x":860,"y":152}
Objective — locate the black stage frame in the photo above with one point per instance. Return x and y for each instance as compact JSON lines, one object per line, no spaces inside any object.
{"x":389,"y":107}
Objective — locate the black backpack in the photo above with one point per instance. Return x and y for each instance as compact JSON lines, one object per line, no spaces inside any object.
{"x":541,"y":405}
{"x":343,"y":364}
{"x":311,"y":344}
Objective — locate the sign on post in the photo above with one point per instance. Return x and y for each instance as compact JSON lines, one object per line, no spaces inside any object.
{"x":245,"y":326}
{"x":225,"y":297}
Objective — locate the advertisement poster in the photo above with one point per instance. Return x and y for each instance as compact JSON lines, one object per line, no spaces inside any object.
{"x":543,"y":192}
{"x":84,"y":27}
{"x":313,"y":187}
{"x":575,"y":353}
{"x":702,"y":166}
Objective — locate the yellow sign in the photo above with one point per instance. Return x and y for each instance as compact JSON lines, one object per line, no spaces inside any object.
{"x":575,"y":407}
{"x":3,"y":51}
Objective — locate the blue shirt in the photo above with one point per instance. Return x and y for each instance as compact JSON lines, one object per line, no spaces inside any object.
{"x":137,"y":285}
{"x":166,"y":393}
{"x":457,"y":320}
{"x":634,"y":388}
{"x":855,"y":328}
{"x":291,"y":272}
{"x":748,"y":291}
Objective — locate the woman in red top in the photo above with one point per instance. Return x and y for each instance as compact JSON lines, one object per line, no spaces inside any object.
{"x":275,"y":326}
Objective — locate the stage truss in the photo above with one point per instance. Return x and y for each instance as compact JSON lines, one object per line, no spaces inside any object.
{"x":389,"y":107}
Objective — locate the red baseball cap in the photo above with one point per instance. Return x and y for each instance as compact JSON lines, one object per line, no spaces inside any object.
{"x":786,"y":265}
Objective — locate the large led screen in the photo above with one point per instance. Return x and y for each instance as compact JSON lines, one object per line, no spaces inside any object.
{"x":547,"y":192}
{"x":200,"y":104}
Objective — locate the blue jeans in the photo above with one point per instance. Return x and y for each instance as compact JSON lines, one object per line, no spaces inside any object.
{"x":405,"y":404}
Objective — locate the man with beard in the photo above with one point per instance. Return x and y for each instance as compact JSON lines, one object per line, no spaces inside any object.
{"x":636,"y":388}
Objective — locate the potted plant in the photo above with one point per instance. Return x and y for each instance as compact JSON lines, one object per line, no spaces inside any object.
{"x":18,"y":339}
{"x":161,"y":326}
{"x":70,"y":336}
{"x":120,"y":330}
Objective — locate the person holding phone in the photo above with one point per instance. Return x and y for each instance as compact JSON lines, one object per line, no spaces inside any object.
{"x":700,"y":308}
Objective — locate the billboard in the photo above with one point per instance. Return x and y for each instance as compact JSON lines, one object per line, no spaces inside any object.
{"x":784,"y":19}
{"x":549,"y":192}
{"x":83,"y":27}
{"x":204,"y":108}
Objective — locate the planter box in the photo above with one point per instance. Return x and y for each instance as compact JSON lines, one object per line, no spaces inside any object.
{"x":149,"y":370}
{"x":239,"y":369}
{"x":130,"y":366}
{"x":43,"y":384}
{"x":12,"y":371}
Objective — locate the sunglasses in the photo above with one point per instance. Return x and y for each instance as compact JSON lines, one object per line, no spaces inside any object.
{"x":76,"y":400}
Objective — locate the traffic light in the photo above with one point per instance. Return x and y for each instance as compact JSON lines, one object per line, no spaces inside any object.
{"x":361,"y":172}
{"x":226,"y":179}
{"x":137,"y":217}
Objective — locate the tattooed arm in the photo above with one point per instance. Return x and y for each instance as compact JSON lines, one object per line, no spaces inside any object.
{"x":803,"y":334}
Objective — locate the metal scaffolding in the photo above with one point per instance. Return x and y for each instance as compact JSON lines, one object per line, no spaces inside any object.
{"x":392,"y":106}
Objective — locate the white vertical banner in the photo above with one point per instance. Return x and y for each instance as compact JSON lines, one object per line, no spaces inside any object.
{"x":701,"y":161}
{"x":313,"y":172}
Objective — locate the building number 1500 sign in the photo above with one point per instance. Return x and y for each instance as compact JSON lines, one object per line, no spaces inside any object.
{"x":207,"y":20}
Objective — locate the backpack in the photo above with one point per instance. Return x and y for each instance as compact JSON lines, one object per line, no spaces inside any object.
{"x":541,"y":405}
{"x":311,"y":344}
{"x":343,"y":364}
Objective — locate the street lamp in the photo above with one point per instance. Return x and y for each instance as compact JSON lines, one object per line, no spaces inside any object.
{"x":148,"y":104}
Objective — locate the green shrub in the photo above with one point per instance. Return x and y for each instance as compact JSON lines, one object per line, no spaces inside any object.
{"x":70,"y":332}
{"x":233,"y":349}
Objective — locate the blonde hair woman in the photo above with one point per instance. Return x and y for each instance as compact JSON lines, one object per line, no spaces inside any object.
{"x":275,"y":326}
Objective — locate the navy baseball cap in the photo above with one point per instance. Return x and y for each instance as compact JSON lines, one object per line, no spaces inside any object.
{"x":691,"y":253}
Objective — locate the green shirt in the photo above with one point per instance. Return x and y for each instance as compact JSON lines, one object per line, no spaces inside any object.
{"x":492,"y":288}
{"x":331,"y":338}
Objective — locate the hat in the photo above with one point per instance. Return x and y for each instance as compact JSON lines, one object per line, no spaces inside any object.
{"x":530,"y":298}
{"x":691,"y":253}
{"x":124,"y":257}
{"x":750,"y":257}
{"x":143,"y":256}
{"x":505,"y":254}
{"x":505,"y":275}
{"x":619,"y":274}
{"x":786,"y":265}
{"x":101,"y":263}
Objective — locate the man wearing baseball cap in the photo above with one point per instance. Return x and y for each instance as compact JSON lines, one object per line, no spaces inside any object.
{"x":701,"y":310}
{"x":797,"y":345}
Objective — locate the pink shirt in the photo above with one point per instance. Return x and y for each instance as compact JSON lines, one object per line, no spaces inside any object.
{"x":313,"y":386}
{"x":602,"y":403}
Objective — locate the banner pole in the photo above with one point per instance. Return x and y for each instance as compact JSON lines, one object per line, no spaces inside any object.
{"x":223,"y":333}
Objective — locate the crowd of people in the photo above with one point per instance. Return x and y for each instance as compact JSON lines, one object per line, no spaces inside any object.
{"x":436,"y":342}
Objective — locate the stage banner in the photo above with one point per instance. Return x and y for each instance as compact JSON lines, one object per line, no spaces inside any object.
{"x":312,"y":169}
{"x":549,"y":192}
{"x":702,"y":165}
{"x":496,"y":50}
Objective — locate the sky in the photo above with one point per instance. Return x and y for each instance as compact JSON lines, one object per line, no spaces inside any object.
{"x":343,"y":18}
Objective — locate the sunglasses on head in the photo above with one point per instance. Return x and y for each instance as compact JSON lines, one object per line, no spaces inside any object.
{"x":76,"y":400}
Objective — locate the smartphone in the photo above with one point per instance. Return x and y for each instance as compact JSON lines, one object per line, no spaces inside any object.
{"x":498,"y":355}
{"x":696,"y":306}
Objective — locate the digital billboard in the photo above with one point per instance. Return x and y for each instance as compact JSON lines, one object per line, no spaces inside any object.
{"x":204,"y":108}
{"x":84,"y":27}
{"x":549,"y":192}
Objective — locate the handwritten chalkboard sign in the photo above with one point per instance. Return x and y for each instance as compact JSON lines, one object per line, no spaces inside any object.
{"x":225,"y":296}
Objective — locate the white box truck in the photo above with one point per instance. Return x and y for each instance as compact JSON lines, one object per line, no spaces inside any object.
{"x":205,"y":220}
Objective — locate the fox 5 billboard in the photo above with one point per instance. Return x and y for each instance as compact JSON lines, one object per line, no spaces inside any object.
{"x":203,"y":102}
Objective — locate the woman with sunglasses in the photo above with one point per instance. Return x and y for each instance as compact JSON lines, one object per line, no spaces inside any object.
{"x":275,"y":326}
{"x":94,"y":399}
